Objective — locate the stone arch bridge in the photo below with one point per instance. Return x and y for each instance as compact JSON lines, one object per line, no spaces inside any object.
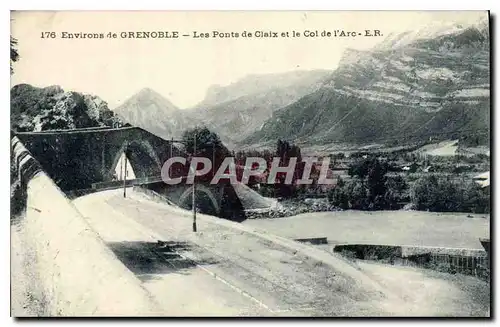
{"x":78,"y":160}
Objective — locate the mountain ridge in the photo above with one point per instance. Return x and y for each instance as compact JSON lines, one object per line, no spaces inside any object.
{"x":153,"y":112}
{"x":418,"y":89}
{"x":243,"y":107}
{"x":254,"y":83}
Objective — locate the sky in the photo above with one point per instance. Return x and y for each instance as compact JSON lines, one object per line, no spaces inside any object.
{"x":181,"y":69}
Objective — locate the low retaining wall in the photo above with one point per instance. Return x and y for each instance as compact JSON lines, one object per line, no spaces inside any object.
{"x":80,"y":275}
{"x":465,"y":261}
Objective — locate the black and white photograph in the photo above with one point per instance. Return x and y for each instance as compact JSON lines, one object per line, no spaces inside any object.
{"x":250,"y":164}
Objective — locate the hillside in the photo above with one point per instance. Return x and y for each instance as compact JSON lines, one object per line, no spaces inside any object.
{"x":153,"y":112}
{"x":241,"y":108}
{"x":408,"y":88}
{"x":38,"y":109}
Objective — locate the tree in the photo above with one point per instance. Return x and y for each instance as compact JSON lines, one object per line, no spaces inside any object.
{"x":339,"y":156}
{"x":282,"y":149}
{"x":285,"y":151}
{"x":376,"y":183}
{"x":208,"y":145}
{"x":434,"y":194}
{"x":396,"y":192}
{"x":368,"y":187}
{"x":350,"y":195}
{"x":358,"y":169}
{"x":443,"y":195}
{"x":206,"y":140}
{"x":338,"y":195}
{"x":14,"y":54}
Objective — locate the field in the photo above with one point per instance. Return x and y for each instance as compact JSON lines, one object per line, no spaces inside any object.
{"x":445,"y":148}
{"x":453,"y":230}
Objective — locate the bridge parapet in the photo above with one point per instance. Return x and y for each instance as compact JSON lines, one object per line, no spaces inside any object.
{"x":58,"y":233}
{"x":27,"y":166}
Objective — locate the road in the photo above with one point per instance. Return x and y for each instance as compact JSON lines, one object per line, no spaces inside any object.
{"x":219,"y":270}
{"x":232,"y":269}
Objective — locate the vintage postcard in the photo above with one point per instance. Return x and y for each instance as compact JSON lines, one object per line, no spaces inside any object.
{"x":232,"y":163}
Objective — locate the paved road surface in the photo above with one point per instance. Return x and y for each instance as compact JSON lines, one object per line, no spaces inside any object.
{"x":219,"y":270}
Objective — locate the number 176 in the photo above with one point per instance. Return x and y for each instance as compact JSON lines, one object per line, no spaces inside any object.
{"x":48,"y":35}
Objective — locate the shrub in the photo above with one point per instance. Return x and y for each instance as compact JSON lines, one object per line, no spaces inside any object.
{"x":338,"y":195}
{"x":266,"y":190}
{"x":350,"y":195}
{"x":357,"y":194}
{"x":431,"y":193}
{"x":370,"y":188}
{"x":396,"y":192}
{"x":443,"y":195}
{"x":476,"y":199}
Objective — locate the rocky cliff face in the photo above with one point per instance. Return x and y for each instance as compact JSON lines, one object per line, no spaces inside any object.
{"x":38,"y":109}
{"x":407,"y":88}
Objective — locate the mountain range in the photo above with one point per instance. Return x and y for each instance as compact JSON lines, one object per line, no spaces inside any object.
{"x":238,"y":110}
{"x":234,"y":111}
{"x":413,"y":86}
{"x":422,"y":85}
{"x":402,"y":92}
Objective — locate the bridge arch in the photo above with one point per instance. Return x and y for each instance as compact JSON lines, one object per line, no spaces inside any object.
{"x":186,"y":195}
{"x":142,"y":157}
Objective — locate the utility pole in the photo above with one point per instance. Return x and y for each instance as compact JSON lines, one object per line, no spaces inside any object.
{"x":213,"y":160}
{"x":125,"y":171}
{"x":171,"y":152}
{"x":121,"y":168}
{"x":194,"y":186}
